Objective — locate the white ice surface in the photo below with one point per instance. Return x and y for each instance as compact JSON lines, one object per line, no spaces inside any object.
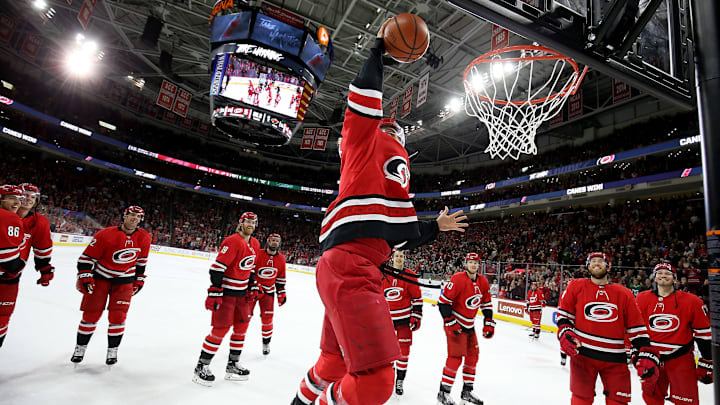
{"x":166,"y":326}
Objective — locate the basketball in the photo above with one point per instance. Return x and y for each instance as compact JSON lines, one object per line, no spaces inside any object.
{"x":406,"y":37}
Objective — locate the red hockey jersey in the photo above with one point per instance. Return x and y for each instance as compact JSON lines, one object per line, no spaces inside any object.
{"x":535,"y":300}
{"x":373,"y":199}
{"x":116,"y":256}
{"x":673,"y":321}
{"x":466,"y":297}
{"x":37,"y":238}
{"x":234,"y":264}
{"x":602,"y":316}
{"x":270,"y":270}
{"x":403,"y":298}
{"x":12,"y":238}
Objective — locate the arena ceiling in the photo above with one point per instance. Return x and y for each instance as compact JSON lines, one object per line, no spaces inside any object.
{"x":456,"y":38}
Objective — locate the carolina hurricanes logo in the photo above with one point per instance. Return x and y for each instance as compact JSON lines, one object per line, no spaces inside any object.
{"x":393,"y":294}
{"x":601,"y":311}
{"x":267,"y":272}
{"x":396,"y":169}
{"x":605,"y":160}
{"x":125,"y":256}
{"x":664,"y":323}
{"x":247,"y":263}
{"x":474,"y":301}
{"x":6,"y":100}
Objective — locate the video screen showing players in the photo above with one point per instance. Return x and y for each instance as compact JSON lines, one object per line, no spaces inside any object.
{"x":261,"y":86}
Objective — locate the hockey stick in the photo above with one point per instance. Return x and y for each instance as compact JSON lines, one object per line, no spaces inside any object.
{"x":405,"y":276}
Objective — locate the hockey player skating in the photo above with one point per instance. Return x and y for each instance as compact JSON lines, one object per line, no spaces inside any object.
{"x":534,"y":305}
{"x":37,"y":234}
{"x":270,"y":271}
{"x":459,"y":302}
{"x":230,"y":297}
{"x":371,"y":214}
{"x":594,"y":316}
{"x":110,"y":271}
{"x":405,"y":301}
{"x":675,"y":319}
{"x":11,"y":244}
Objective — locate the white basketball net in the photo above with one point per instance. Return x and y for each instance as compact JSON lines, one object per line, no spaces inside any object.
{"x":501,"y":93}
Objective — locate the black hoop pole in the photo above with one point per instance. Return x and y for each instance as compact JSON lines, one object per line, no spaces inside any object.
{"x":706,"y":14}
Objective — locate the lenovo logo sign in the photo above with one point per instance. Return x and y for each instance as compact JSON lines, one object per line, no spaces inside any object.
{"x":512,"y":309}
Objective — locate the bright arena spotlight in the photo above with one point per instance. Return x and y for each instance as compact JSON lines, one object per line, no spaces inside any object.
{"x":82,"y":56}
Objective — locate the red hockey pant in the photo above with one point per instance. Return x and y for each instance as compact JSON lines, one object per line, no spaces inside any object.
{"x":358,"y":333}
{"x":615,"y":378}
{"x":463,"y":345}
{"x":116,"y":298}
{"x":535,"y":318}
{"x":8,"y":297}
{"x":404,"y":336}
{"x":679,"y":374}
{"x":267,"y":304}
{"x":233,"y":312}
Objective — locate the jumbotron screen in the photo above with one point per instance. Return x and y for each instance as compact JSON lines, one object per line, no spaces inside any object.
{"x":261,"y":86}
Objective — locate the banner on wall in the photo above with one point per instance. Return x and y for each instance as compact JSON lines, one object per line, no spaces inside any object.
{"x":321,"y":137}
{"x":308,"y":138}
{"x":423,"y":89}
{"x":407,"y":102}
{"x":166,"y":95}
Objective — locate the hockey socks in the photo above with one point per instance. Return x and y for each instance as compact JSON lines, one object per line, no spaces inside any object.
{"x":115,"y":335}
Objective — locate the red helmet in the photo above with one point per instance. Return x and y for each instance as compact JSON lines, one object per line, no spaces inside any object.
{"x":389,"y":122}
{"x":30,"y":188}
{"x":601,"y":255}
{"x":663,"y":266}
{"x":135,"y":209}
{"x":9,"y":189}
{"x":472,"y":256}
{"x":248,"y":215}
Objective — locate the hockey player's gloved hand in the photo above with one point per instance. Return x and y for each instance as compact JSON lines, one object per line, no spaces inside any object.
{"x":46,"y":274}
{"x":451,"y":326}
{"x":282,"y":299}
{"x":415,"y":322}
{"x":648,"y":360}
{"x":253,"y":293}
{"x":214,"y":299}
{"x":489,"y":328}
{"x":85,"y":282}
{"x":569,"y":341}
{"x":704,"y":371}
{"x":138,"y":284}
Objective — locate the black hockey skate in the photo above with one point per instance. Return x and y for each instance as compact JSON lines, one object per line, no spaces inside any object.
{"x":468,"y":398}
{"x":203,"y":375}
{"x":444,"y":398}
{"x":78,"y":354}
{"x":266,"y":349}
{"x":111,"y":356}
{"x":399,"y":387}
{"x":235,"y":372}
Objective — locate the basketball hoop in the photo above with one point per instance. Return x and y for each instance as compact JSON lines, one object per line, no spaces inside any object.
{"x":500,"y":92}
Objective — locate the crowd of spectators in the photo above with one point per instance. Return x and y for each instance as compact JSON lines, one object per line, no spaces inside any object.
{"x":676,"y":160}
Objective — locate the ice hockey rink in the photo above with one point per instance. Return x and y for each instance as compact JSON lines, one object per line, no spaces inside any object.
{"x":167,"y":323}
